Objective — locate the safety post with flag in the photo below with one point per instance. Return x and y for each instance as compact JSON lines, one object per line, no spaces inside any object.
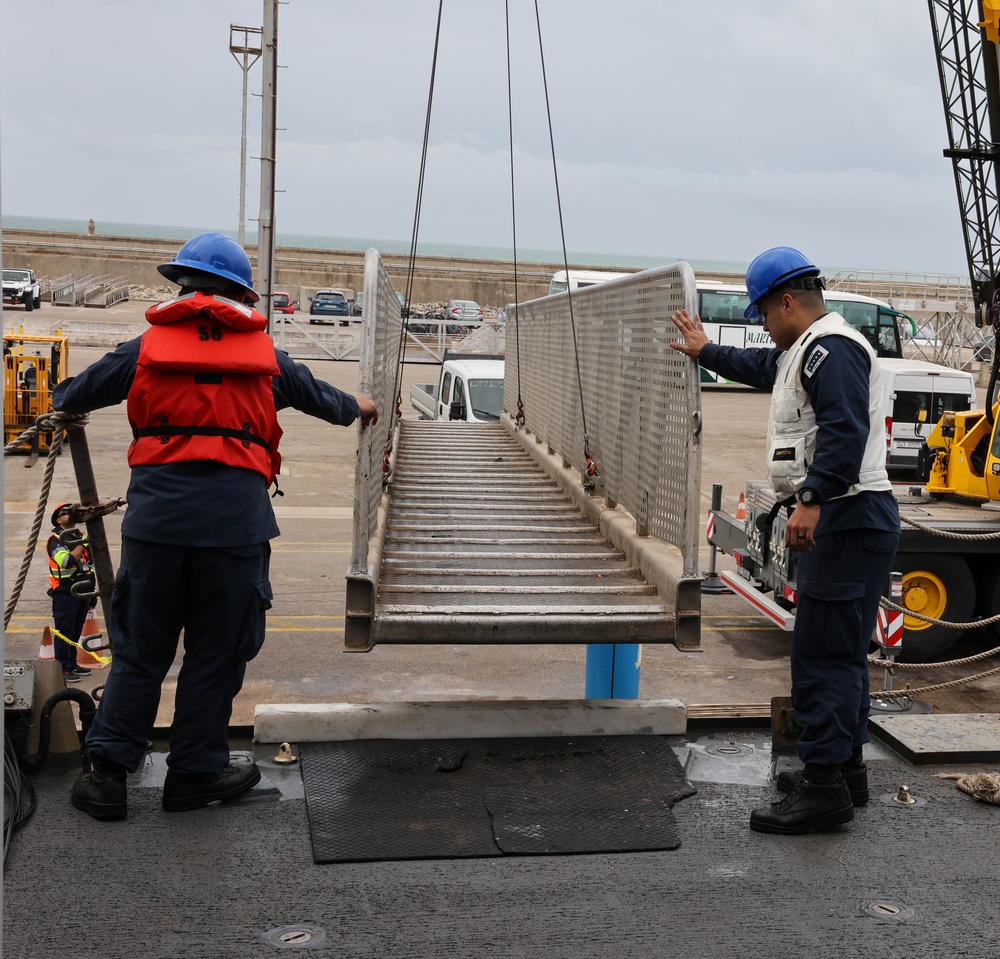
{"x":889,"y":626}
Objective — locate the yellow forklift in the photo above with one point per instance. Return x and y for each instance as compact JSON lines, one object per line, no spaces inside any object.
{"x":32,"y":366}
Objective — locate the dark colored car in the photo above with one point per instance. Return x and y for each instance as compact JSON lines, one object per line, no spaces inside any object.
{"x":327,"y":303}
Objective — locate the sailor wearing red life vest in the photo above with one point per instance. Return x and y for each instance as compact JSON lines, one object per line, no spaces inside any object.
{"x":203,"y":386}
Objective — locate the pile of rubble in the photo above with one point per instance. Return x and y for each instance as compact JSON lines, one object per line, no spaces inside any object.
{"x":154,"y":293}
{"x":436,"y":311}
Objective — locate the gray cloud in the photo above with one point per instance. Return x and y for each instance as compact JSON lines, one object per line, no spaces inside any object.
{"x":701,"y":130}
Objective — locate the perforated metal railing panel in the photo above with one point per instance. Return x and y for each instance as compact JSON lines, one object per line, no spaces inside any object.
{"x":481,"y":546}
{"x":639,"y":395}
{"x":380,"y":346}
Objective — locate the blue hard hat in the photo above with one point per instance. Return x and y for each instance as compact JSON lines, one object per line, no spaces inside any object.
{"x":773,"y":269}
{"x":215,"y":254}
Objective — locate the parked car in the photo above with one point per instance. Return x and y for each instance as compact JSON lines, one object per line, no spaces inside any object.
{"x":283,"y":303}
{"x":328,"y":303}
{"x":465,"y":311}
{"x":923,"y":337}
{"x":358,"y":305}
{"x":982,"y":346}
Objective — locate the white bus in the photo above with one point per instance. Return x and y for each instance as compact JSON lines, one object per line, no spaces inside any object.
{"x":578,"y":279}
{"x":721,"y":307}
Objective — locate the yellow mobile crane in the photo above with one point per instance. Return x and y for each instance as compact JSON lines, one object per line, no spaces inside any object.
{"x":32,"y":366}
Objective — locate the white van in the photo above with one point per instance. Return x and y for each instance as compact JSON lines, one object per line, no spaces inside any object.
{"x":915,"y":394}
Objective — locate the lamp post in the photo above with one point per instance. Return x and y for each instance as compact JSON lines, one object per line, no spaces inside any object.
{"x":244,"y":43}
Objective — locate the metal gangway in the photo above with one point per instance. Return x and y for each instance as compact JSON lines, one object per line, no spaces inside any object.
{"x":503,"y":533}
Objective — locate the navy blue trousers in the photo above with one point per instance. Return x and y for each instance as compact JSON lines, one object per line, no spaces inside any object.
{"x":68,"y":616}
{"x":839,"y":584}
{"x":217,"y":597}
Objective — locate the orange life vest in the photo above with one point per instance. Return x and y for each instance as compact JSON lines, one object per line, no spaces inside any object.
{"x":202,"y":388}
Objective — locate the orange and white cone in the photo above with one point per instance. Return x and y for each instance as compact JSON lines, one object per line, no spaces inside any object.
{"x":84,"y":657}
{"x":741,"y":508}
{"x":46,"y":650}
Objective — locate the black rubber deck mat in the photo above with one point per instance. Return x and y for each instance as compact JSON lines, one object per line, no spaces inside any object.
{"x":393,"y":799}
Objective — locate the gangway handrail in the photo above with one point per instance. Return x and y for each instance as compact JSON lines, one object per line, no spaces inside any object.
{"x":379,"y":356}
{"x":643,"y":397}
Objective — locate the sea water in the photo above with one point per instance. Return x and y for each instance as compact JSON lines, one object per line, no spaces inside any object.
{"x":307,"y":241}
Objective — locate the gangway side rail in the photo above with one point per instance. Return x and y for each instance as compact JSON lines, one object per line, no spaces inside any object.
{"x":660,"y":563}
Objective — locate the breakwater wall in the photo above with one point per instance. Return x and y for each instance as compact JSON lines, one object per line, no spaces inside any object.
{"x":299,"y":272}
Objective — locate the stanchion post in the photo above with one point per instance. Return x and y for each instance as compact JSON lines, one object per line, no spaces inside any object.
{"x":712,"y":583}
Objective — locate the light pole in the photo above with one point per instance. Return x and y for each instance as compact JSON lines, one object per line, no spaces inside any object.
{"x":244,"y":43}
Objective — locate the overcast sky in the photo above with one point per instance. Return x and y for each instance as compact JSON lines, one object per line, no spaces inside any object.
{"x":682,"y":129}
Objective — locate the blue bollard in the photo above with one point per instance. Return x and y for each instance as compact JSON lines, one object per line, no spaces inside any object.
{"x":612,"y":671}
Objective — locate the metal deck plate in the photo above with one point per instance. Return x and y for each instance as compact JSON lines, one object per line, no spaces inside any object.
{"x":941,"y":738}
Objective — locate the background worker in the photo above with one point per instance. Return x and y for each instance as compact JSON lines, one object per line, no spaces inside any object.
{"x":70,"y":565}
{"x":203,"y":386}
{"x":826,"y":462}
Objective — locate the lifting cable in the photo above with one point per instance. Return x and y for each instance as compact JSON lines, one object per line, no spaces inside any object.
{"x":591,"y":467}
{"x":519,"y":418}
{"x":411,"y":263}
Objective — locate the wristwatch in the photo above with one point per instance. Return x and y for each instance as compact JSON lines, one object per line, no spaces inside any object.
{"x":808,"y":497}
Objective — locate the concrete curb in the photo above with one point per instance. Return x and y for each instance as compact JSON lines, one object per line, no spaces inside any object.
{"x":473,"y":719}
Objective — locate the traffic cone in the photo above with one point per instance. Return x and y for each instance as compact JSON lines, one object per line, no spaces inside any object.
{"x":46,"y":651}
{"x":741,"y":508}
{"x":83,"y":657}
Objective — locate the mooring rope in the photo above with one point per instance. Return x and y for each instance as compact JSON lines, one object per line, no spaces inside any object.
{"x":57,"y":423}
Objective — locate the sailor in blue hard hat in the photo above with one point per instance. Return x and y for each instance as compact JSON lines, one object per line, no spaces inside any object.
{"x":203,"y":387}
{"x":826,"y":465}
{"x":212,"y":261}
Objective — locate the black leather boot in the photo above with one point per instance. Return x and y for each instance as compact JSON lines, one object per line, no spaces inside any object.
{"x":103,"y":792}
{"x":855,"y":775}
{"x":808,"y":806}
{"x":182,"y":793}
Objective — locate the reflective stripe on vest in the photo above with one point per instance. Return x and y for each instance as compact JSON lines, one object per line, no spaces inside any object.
{"x":65,"y":576}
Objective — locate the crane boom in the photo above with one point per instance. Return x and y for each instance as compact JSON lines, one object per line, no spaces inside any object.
{"x":965,"y":41}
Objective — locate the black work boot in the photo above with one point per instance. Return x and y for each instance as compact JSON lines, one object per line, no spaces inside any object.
{"x":855,"y":775}
{"x":182,"y":792}
{"x":808,"y":806}
{"x":103,"y":792}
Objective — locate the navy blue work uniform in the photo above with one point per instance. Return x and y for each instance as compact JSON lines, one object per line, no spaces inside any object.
{"x":841,"y":579}
{"x":195,"y":559}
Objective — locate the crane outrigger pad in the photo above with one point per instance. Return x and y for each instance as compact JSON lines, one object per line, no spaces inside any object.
{"x":481,"y":545}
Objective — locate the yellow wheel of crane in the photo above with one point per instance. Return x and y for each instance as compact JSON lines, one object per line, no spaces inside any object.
{"x":938,"y":585}
{"x":924,"y":593}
